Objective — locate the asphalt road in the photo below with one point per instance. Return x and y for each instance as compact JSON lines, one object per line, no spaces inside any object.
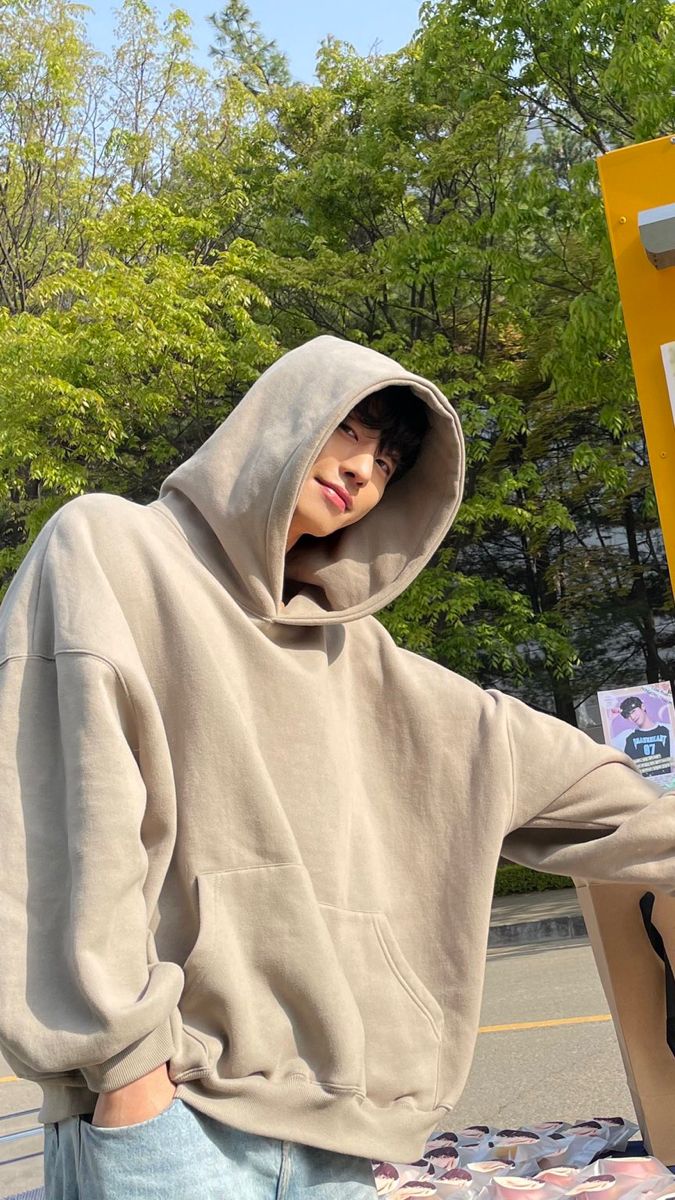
{"x":553,"y":1072}
{"x":565,"y":1071}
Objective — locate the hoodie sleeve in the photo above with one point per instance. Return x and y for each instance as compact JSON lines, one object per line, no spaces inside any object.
{"x":583,"y":809}
{"x":80,"y":984}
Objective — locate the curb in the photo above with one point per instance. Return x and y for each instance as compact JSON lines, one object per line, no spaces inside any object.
{"x":547,"y":929}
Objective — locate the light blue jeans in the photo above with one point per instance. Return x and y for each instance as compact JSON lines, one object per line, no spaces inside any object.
{"x":183,"y":1155}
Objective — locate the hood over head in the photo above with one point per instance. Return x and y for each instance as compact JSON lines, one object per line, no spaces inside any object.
{"x":246,"y":478}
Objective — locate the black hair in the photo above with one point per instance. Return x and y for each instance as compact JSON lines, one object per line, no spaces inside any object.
{"x":627,"y":707}
{"x":402,"y":421}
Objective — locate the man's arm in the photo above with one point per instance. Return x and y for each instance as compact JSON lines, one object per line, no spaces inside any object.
{"x":583,"y":809}
{"x":80,"y":987}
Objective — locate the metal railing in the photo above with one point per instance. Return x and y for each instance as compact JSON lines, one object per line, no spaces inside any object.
{"x":9,"y":1140}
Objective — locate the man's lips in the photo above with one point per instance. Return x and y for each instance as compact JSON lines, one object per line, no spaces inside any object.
{"x":340,"y":498}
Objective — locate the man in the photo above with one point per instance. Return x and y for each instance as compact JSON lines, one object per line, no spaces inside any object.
{"x":226,"y":957}
{"x":648,"y":744}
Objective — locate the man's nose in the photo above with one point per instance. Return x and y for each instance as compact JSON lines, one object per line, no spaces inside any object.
{"x":360,"y":467}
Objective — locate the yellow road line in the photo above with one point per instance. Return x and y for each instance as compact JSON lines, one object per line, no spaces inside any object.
{"x":544,"y":1024}
{"x":8,"y":1079}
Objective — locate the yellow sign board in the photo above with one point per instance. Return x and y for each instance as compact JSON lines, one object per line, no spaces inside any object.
{"x":634,"y":181}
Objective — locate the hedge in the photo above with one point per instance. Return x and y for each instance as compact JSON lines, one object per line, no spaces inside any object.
{"x":513,"y":880}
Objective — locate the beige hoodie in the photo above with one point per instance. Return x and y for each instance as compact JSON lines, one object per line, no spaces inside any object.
{"x":259,"y":842}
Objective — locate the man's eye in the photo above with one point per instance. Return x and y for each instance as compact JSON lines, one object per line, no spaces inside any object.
{"x":347,"y":428}
{"x":386,"y":465}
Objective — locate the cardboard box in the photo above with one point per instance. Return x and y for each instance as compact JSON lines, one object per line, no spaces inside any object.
{"x":633,"y":978}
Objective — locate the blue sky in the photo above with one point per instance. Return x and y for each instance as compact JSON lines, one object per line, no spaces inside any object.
{"x":298,"y":26}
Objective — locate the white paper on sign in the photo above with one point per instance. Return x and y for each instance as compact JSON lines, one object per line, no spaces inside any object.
{"x":668,"y":356}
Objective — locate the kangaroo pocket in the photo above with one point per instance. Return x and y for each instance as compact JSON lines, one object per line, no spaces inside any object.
{"x":279,"y":986}
{"x":402,"y":1020}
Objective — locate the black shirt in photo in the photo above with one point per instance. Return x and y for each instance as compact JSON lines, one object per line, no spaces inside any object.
{"x":650,"y":748}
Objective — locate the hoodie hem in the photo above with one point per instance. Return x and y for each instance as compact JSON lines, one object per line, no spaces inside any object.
{"x":290,"y":1110}
{"x":131,"y":1064}
{"x":307,"y":1112}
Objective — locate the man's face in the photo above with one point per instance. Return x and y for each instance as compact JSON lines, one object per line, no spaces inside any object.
{"x":346,"y":480}
{"x":637,"y":716}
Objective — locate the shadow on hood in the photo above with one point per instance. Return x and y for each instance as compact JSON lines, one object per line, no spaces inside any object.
{"x":246,"y":478}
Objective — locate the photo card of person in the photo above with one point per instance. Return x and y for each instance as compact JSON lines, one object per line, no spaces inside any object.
{"x":640,"y":721}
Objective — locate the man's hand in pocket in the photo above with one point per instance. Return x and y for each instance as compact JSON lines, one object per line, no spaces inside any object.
{"x":138,"y":1101}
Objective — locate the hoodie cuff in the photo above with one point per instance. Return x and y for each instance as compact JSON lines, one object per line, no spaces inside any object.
{"x":134,"y":1062}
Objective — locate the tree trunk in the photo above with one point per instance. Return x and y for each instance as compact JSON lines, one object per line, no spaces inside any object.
{"x":543,"y":599}
{"x":564,"y":700}
{"x":639,"y":593}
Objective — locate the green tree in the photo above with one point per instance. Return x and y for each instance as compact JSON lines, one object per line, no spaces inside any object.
{"x":137,"y":334}
{"x":244,"y":53}
{"x":583,"y":87}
